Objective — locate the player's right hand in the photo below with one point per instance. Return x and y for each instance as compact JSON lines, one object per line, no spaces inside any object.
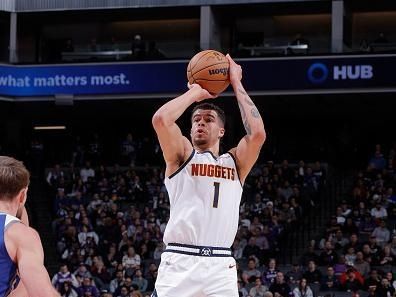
{"x":235,"y":71}
{"x":202,"y":94}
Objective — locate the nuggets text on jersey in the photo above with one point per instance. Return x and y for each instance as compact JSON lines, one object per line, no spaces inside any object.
{"x":213,"y":171}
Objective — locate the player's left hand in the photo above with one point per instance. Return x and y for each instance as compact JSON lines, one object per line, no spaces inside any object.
{"x":235,"y":71}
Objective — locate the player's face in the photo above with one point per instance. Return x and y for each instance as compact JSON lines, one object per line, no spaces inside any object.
{"x":207,"y":127}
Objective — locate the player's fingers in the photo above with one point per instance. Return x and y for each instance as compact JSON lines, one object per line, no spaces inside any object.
{"x":230,"y":59}
{"x":190,"y":86}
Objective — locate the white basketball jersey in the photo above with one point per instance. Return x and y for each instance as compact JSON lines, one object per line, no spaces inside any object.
{"x":204,"y":193}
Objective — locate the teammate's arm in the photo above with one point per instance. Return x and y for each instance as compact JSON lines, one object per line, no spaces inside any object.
{"x":175,"y":147}
{"x":29,"y":256}
{"x":248,"y":148}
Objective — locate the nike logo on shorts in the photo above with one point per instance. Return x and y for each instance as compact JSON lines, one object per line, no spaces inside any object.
{"x":231,"y":266}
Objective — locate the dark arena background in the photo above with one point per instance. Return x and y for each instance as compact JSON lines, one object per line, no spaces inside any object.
{"x":81,"y":80}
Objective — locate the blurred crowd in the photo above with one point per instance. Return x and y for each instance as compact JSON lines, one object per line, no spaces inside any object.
{"x":109,"y":222}
{"x":357,"y":253}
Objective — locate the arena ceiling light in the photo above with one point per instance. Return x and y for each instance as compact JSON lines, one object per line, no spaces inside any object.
{"x":39,"y":128}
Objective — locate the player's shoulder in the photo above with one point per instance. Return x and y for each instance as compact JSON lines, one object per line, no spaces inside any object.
{"x":231,"y":152}
{"x":19,"y":232}
{"x":19,"y":236}
{"x":229,"y":155}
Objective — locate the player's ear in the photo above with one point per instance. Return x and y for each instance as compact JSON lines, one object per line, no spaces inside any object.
{"x":221,"y":132}
{"x":22,"y":196}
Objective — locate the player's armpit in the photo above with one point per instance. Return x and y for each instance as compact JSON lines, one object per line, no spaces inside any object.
{"x":246,"y":154}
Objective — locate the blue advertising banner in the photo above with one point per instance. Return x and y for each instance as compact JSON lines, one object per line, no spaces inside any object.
{"x":317,"y":74}
{"x":84,"y":79}
{"x":261,"y":75}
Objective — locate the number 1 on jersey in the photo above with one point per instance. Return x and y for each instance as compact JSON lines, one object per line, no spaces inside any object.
{"x":216,"y":194}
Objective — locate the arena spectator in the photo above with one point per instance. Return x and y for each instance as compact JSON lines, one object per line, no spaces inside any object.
{"x":258,"y":205}
{"x":259,"y":289}
{"x":350,"y":227}
{"x":312,"y":274}
{"x":151,"y":273}
{"x":391,"y":279}
{"x":139,"y":281}
{"x":67,"y":290}
{"x":126,"y":285}
{"x":379,"y":212}
{"x":242,"y":290}
{"x":138,"y":48}
{"x":361,"y":265}
{"x":270,"y":273}
{"x":367,"y":226}
{"x":339,"y":241}
{"x":386,"y":257}
{"x":329,"y":281}
{"x":302,"y":290}
{"x":373,"y":281}
{"x":385,"y":289}
{"x":251,"y":249}
{"x":353,"y":243}
{"x":160,"y":248}
{"x":64,"y":275}
{"x":87,"y":288}
{"x":350,"y":256}
{"x":382,"y":234}
{"x":86,"y":235}
{"x":279,"y":286}
{"x":294,"y":275}
{"x":100,"y":274}
{"x":351,"y":283}
{"x":309,"y":255}
{"x":250,"y":274}
{"x":87,"y":172}
{"x":340,"y":267}
{"x":328,"y":256}
{"x":378,"y":161}
{"x":123,"y":292}
{"x":82,"y":272}
{"x":117,"y":281}
{"x":375,"y":250}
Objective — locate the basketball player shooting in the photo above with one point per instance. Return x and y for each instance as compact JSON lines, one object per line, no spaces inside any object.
{"x":205,"y":190}
{"x":22,"y":271}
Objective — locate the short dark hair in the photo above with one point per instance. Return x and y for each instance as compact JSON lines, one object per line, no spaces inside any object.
{"x":13,"y":177}
{"x":211,"y":106}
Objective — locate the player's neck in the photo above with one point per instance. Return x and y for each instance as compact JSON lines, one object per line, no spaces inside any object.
{"x":213,"y":149}
{"x":8,"y":208}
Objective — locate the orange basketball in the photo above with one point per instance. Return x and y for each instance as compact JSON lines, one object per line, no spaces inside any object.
{"x":210,"y":70}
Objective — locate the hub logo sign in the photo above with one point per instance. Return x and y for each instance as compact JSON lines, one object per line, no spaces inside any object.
{"x":318,"y":73}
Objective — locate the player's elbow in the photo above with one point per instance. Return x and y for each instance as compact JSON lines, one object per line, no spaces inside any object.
{"x":259,"y":137}
{"x":158,"y":120}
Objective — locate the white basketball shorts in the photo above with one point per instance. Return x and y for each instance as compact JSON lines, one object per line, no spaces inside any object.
{"x":181,"y":275}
